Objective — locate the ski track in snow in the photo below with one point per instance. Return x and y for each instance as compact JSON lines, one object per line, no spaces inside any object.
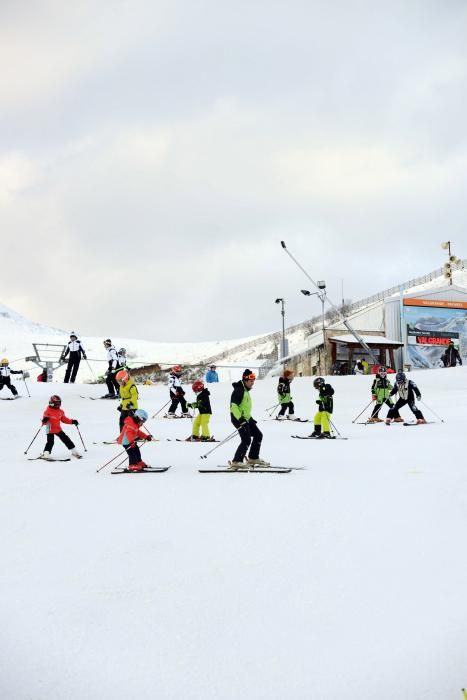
{"x":347,"y":579}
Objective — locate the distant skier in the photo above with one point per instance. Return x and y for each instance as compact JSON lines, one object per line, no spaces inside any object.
{"x":112,"y":359}
{"x":321,"y":421}
{"x":240,"y":415}
{"x":122,"y":359}
{"x":452,"y":356}
{"x":75,"y":351}
{"x":128,"y":395}
{"x":285,"y":397}
{"x":407,"y":391}
{"x":211,"y":375}
{"x":380,"y":393}
{"x":129,"y":433}
{"x":177,"y":393}
{"x":201,"y":421}
{"x":53,"y":416}
{"x":5,"y":371}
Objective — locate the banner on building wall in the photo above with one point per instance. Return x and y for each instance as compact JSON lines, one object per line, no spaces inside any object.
{"x":431,"y":325}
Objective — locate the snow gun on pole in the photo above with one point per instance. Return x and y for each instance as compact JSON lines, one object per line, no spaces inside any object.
{"x":346,"y":323}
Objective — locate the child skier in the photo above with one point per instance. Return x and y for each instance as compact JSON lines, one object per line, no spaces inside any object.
{"x":407,"y":391}
{"x":128,"y":395}
{"x":380,"y":392}
{"x":201,"y":421}
{"x":325,"y":403}
{"x":5,"y":371}
{"x":284,"y":396}
{"x":53,"y":416}
{"x":75,"y":350}
{"x":240,"y":415}
{"x":130,"y":432}
{"x":177,"y":393}
{"x":112,"y":359}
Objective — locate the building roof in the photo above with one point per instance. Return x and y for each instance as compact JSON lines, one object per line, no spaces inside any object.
{"x":370,"y":340}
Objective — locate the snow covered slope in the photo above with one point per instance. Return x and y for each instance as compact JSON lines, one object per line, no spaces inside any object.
{"x":345,"y":580}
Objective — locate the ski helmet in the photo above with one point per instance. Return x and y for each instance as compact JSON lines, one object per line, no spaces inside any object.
{"x":122,"y":351}
{"x":318,"y":382}
{"x":122,"y":377}
{"x":177,"y":369}
{"x":248,"y":376}
{"x":288,"y":373}
{"x":55,"y":401}
{"x":108,"y":343}
{"x":382,"y":371}
{"x":4,"y":361}
{"x":197,"y":386}
{"x":401,"y":378}
{"x":141,"y":415}
{"x":73,"y":335}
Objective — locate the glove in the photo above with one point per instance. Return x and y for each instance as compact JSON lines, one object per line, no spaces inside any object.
{"x":148,"y":437}
{"x":75,"y":422}
{"x":119,"y":408}
{"x":419,"y":398}
{"x":45,"y":421}
{"x":25,"y":374}
{"x":129,"y":406}
{"x":373,"y":397}
{"x":242,"y":424}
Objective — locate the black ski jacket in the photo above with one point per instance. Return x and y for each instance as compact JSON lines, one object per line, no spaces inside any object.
{"x":202,"y":403}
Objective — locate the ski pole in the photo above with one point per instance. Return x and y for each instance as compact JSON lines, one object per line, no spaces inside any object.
{"x":111,"y":460}
{"x":270,"y":407}
{"x":334,"y":428}
{"x":161,"y":409}
{"x":26,"y":450}
{"x":229,"y":437}
{"x":91,"y":369}
{"x":26,"y":386}
{"x":274,"y":410}
{"x":430,"y":409}
{"x":81,"y":437}
{"x":367,"y":406}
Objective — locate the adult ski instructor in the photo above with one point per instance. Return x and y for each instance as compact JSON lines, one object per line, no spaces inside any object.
{"x":240,"y":415}
{"x":74,"y":352}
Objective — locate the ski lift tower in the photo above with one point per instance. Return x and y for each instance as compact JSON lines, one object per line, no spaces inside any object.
{"x":49,"y":357}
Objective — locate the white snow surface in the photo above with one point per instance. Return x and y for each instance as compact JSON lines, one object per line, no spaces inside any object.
{"x":344,"y":580}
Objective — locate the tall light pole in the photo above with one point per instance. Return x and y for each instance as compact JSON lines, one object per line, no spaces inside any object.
{"x":321,"y":294}
{"x":282,"y":302}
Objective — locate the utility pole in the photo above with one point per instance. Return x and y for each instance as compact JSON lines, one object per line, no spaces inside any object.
{"x":282,"y":302}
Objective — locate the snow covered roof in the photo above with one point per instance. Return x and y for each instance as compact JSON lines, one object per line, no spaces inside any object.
{"x":368,"y":339}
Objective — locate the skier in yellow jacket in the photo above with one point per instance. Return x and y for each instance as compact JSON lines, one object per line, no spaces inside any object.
{"x":128,"y":395}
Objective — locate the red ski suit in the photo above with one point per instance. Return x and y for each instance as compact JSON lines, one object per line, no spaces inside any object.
{"x":130,"y":432}
{"x":55,"y":416}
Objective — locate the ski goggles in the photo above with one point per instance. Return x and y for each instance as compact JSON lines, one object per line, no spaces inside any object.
{"x":249,"y":377}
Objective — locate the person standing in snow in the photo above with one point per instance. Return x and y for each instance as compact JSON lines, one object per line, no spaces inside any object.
{"x":321,"y":421}
{"x":177,"y":393}
{"x":201,"y":421}
{"x":407,"y":391}
{"x":380,"y":392}
{"x":53,"y":416}
{"x":284,"y":396}
{"x":128,"y":395}
{"x":211,"y":375}
{"x":240,"y":415}
{"x":112,"y":359}
{"x":75,"y":351}
{"x":5,"y":371}
{"x":129,"y":433}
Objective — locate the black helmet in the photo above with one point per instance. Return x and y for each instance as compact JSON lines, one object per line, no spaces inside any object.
{"x":401,"y":378}
{"x":318,"y":382}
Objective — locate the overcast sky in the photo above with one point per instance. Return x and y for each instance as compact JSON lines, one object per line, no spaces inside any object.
{"x":153,"y":155}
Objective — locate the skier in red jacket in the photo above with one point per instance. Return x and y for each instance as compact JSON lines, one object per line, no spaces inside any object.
{"x":127,"y":438}
{"x":53,"y":416}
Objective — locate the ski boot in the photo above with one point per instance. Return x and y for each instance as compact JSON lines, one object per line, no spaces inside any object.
{"x":207,"y":439}
{"x":187,"y":414}
{"x":316,"y":432}
{"x":193,"y":438}
{"x":421,"y":421}
{"x":375,"y":419}
{"x":75,"y":453}
{"x":170,"y":415}
{"x":388,"y":421}
{"x":325,"y":435}
{"x":292,"y":416}
{"x":236,"y":465}
{"x":398,"y":420}
{"x":258,"y":462}
{"x":138,"y":467}
{"x":280,"y":417}
{"x":45,"y":455}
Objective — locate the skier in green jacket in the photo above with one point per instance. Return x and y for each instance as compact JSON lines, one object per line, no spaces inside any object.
{"x":380,"y":393}
{"x":240,"y":415}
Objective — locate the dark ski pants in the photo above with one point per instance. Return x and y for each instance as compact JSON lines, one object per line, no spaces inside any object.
{"x":71,"y":370}
{"x":377,"y":407}
{"x":63,"y":437}
{"x":394,"y":412}
{"x":112,"y":384}
{"x":6,"y":381}
{"x":251,"y":437}
{"x":175,"y":401}
{"x":285,"y":406}
{"x":134,"y":454}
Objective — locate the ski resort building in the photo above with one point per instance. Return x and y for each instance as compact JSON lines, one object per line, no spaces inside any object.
{"x":405,"y":330}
